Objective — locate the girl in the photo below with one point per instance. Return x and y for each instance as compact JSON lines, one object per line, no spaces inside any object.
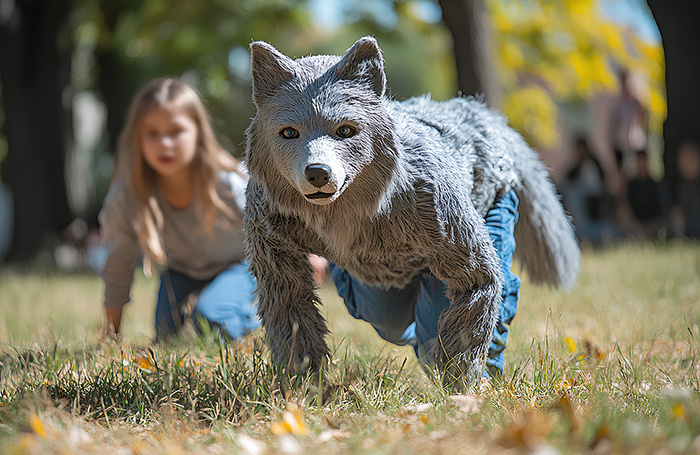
{"x":177,"y":196}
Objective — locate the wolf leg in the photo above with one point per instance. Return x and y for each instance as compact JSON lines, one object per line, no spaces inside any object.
{"x":294,"y":326}
{"x":466,"y":260}
{"x":287,"y":302}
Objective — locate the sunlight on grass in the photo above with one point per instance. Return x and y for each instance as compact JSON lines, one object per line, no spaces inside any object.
{"x":610,"y":367}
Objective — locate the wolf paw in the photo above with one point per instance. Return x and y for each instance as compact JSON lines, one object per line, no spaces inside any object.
{"x":303,"y":354}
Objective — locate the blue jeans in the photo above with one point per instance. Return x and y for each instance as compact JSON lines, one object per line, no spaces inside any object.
{"x":225,"y":304}
{"x":410,"y":314}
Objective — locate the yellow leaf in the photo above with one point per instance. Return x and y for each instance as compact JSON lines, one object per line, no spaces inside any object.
{"x":37,"y":426}
{"x":291,"y":422}
{"x":565,"y":384}
{"x":143,"y":362}
{"x":569,"y":345}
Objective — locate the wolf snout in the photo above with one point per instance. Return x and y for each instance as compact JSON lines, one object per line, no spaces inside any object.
{"x":317,"y":174}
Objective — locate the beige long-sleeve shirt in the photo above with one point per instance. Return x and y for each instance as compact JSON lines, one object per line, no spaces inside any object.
{"x":189,"y":250}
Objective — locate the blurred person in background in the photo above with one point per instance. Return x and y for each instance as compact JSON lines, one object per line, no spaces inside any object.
{"x":688,"y":209}
{"x":586,"y":196}
{"x":649,"y":201}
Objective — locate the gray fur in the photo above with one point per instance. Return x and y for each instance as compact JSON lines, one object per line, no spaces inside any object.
{"x":407,"y":192}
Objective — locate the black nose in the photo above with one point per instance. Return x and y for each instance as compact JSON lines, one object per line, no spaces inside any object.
{"x":317,"y":174}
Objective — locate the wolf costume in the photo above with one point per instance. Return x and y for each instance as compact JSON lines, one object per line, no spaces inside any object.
{"x":386,"y":191}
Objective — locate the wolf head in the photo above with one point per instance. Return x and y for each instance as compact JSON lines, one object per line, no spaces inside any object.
{"x":320,"y":121}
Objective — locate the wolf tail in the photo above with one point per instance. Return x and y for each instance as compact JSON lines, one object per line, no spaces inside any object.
{"x":547,"y":245}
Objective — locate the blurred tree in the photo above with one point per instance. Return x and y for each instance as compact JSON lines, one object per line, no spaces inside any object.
{"x":470,"y":24}
{"x":35,"y":71}
{"x":118,"y":46}
{"x":678,"y":24}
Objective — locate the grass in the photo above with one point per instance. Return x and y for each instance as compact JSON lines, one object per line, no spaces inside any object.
{"x":611,"y":367}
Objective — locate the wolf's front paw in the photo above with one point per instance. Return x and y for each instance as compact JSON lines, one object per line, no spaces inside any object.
{"x":300,"y":353}
{"x":460,"y":360}
{"x":460,"y":372}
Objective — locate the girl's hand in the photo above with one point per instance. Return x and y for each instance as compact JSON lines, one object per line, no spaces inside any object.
{"x":114,"y":317}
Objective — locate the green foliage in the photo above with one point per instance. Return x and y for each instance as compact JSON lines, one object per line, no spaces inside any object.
{"x":196,"y":40}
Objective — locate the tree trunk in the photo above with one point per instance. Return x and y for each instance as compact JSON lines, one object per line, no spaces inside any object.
{"x":678,"y":24}
{"x":118,"y":78}
{"x":35,"y":74}
{"x":470,"y":25}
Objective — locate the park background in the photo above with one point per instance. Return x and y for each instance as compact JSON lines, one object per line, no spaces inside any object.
{"x":69,"y":68}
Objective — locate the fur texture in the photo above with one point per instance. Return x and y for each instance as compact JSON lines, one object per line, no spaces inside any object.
{"x":385,"y":190}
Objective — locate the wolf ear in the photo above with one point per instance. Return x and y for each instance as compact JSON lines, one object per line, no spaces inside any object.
{"x":270,"y":69}
{"x":364,"y":61}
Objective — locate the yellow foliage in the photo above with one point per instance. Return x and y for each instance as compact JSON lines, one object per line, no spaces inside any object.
{"x":531,"y":111}
{"x":574,"y":52}
{"x":511,"y":54}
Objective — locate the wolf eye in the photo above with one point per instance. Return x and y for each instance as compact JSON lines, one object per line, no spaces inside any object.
{"x":346,"y":131}
{"x":289,"y":133}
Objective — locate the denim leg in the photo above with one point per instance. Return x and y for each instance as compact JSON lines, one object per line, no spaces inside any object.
{"x":390,"y":311}
{"x":432,"y":301}
{"x":500,"y":223}
{"x":174,"y":289}
{"x":228,"y":303}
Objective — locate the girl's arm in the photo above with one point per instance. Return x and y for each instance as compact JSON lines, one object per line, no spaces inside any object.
{"x":119,"y":239}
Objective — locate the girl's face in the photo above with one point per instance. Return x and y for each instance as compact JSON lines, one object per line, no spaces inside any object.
{"x":168,"y":137}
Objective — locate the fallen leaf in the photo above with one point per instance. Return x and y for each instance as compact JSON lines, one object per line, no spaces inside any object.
{"x":528,"y":430}
{"x":143,"y":362}
{"x":593,"y":352}
{"x":678,"y":411}
{"x":37,"y":426}
{"x":291,"y":422}
{"x":569,"y":345}
{"x":564,"y":384}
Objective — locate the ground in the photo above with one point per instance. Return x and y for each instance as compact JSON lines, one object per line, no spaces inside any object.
{"x":611,"y":366}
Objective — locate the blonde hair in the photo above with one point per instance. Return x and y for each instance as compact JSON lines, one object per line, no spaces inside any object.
{"x":140,"y":178}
